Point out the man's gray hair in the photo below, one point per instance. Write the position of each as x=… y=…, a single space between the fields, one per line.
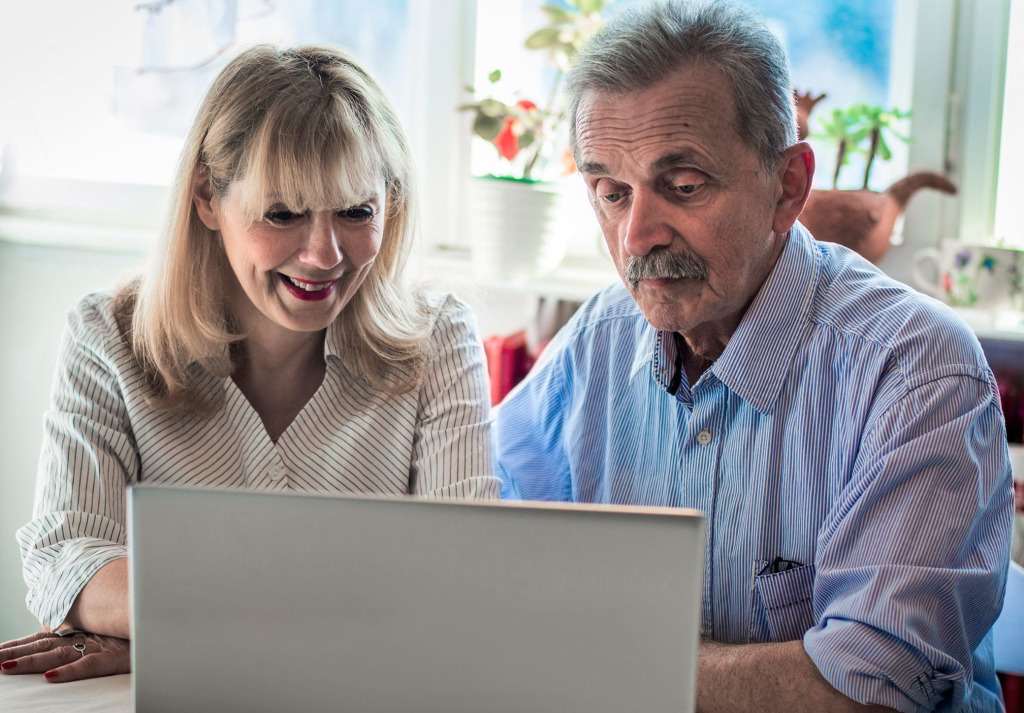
x=644 y=45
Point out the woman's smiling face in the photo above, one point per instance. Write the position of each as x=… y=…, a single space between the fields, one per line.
x=296 y=270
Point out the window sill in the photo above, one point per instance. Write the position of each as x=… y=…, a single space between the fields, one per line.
x=576 y=278
x=40 y=232
x=1006 y=326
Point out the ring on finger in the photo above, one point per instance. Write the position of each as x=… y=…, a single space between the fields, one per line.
x=80 y=648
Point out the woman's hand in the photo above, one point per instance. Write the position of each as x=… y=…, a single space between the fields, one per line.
x=66 y=658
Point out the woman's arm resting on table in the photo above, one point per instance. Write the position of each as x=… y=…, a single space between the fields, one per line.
x=102 y=605
x=101 y=609
x=765 y=677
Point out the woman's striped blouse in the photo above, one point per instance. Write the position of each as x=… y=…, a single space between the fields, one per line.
x=100 y=437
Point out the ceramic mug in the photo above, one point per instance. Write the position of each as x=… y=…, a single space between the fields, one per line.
x=976 y=276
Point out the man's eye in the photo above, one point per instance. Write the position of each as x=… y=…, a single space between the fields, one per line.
x=688 y=188
x=360 y=213
x=280 y=217
x=611 y=197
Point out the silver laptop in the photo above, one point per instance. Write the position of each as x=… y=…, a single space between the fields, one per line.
x=247 y=601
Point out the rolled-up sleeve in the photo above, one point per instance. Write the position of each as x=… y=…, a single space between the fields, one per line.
x=87 y=458
x=451 y=453
x=911 y=563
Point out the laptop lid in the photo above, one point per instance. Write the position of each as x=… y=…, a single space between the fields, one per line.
x=249 y=601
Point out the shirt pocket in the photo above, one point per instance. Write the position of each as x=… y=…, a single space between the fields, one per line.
x=781 y=605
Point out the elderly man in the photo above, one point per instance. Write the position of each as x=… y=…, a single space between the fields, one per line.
x=841 y=433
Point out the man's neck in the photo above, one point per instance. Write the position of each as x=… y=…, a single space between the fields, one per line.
x=695 y=363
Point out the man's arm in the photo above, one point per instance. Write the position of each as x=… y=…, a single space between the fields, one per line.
x=765 y=677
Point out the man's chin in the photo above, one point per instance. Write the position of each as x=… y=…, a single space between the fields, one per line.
x=666 y=303
x=666 y=317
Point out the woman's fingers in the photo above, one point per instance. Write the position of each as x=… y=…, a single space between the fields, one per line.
x=44 y=661
x=91 y=666
x=103 y=656
x=39 y=635
x=13 y=651
x=67 y=659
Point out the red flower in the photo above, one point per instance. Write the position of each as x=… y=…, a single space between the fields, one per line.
x=506 y=141
x=526 y=105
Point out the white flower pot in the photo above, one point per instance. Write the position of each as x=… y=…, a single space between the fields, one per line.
x=515 y=229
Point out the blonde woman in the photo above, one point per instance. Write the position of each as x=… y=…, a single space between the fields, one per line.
x=271 y=345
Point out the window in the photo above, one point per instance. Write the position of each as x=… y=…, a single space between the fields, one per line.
x=103 y=92
x=1009 y=218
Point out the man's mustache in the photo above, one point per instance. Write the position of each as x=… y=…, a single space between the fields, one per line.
x=663 y=264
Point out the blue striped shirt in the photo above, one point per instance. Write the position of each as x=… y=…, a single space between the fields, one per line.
x=847 y=448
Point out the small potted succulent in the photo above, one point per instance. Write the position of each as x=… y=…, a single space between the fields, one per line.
x=861 y=219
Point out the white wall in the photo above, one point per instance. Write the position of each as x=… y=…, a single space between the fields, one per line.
x=37 y=285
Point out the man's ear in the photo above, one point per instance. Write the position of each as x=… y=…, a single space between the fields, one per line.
x=204 y=199
x=795 y=171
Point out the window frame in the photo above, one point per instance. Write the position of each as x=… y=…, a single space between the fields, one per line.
x=958 y=75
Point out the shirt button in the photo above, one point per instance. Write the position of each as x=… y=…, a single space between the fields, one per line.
x=704 y=438
x=276 y=471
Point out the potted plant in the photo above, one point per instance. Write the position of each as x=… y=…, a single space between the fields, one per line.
x=862 y=219
x=512 y=211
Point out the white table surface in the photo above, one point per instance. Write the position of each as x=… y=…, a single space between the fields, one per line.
x=31 y=692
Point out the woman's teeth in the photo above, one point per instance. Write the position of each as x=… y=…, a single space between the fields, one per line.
x=309 y=286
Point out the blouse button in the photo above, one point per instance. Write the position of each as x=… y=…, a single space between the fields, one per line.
x=704 y=438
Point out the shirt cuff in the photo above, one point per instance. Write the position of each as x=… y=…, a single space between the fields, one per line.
x=873 y=667
x=63 y=573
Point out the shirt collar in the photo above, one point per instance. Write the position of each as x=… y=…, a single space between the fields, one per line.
x=332 y=343
x=761 y=350
x=757 y=358
x=657 y=351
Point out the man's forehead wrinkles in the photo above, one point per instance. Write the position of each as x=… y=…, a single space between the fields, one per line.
x=663 y=125
x=668 y=140
x=680 y=110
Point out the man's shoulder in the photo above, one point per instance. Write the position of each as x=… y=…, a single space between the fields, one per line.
x=861 y=302
x=609 y=309
x=607 y=333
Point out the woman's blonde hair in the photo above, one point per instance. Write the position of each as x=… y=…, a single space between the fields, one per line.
x=307 y=127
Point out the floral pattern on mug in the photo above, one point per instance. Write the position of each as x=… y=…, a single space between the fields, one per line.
x=961 y=284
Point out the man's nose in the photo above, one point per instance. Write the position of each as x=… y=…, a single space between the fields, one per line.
x=646 y=226
x=322 y=250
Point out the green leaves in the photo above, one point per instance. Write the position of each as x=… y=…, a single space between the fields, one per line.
x=492 y=107
x=513 y=127
x=589 y=6
x=861 y=128
x=487 y=127
x=556 y=15
x=543 y=38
